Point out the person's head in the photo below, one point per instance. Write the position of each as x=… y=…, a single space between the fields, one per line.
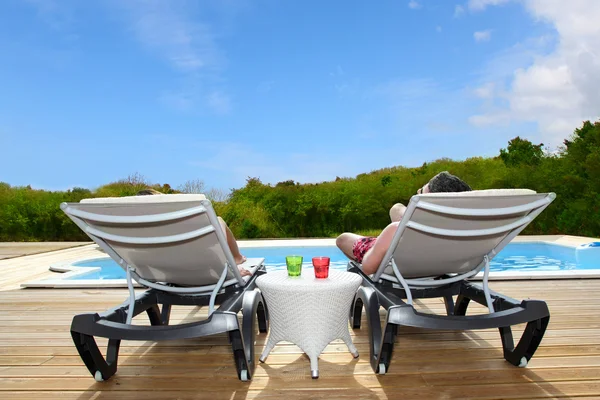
x=444 y=182
x=147 y=192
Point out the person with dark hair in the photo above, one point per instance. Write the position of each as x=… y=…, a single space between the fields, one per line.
x=369 y=251
x=442 y=182
x=445 y=182
x=233 y=246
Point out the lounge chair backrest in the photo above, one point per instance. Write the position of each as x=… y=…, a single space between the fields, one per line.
x=166 y=238
x=450 y=233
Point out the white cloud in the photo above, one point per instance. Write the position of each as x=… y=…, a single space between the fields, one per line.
x=480 y=5
x=486 y=91
x=166 y=29
x=172 y=31
x=559 y=89
x=482 y=36
x=459 y=11
x=438 y=29
x=219 y=102
x=414 y=5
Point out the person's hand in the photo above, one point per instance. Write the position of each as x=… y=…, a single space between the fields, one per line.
x=245 y=272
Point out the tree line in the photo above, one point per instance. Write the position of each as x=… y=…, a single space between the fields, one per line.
x=360 y=204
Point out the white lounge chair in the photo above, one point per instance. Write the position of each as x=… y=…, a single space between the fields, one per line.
x=443 y=240
x=174 y=246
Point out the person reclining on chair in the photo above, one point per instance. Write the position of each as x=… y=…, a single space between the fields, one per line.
x=235 y=250
x=369 y=251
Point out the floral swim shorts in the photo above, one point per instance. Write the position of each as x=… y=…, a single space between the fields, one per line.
x=361 y=246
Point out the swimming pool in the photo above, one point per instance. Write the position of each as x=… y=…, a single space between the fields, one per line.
x=516 y=257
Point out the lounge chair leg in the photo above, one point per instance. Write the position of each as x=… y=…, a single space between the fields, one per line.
x=387 y=348
x=356 y=313
x=165 y=314
x=461 y=305
x=154 y=315
x=262 y=316
x=449 y=302
x=239 y=355
x=368 y=298
x=100 y=368
x=242 y=342
x=528 y=344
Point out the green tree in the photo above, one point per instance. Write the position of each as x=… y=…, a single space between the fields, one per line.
x=581 y=178
x=521 y=151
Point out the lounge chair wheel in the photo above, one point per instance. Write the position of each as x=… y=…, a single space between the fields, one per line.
x=381 y=369
x=98 y=376
x=244 y=375
x=523 y=362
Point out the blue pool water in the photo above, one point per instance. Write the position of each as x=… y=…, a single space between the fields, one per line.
x=514 y=257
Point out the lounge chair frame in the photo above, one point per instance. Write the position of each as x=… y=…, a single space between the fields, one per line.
x=112 y=325
x=396 y=294
x=115 y=324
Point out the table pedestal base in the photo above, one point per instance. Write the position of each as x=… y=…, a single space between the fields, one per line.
x=313 y=354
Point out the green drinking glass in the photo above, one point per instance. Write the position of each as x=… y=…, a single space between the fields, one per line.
x=294 y=265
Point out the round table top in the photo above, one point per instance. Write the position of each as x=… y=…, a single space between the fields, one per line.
x=336 y=279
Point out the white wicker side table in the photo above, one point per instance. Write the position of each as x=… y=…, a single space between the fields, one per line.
x=308 y=312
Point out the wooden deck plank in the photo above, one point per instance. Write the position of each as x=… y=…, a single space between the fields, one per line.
x=345 y=388
x=467 y=349
x=238 y=395
x=285 y=373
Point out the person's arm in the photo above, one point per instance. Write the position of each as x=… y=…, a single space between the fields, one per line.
x=374 y=256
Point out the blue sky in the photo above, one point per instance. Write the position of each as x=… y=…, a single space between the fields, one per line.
x=219 y=90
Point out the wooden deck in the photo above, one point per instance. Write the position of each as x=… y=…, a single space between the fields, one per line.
x=19 y=249
x=38 y=360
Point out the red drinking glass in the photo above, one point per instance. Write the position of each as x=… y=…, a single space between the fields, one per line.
x=321 y=265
